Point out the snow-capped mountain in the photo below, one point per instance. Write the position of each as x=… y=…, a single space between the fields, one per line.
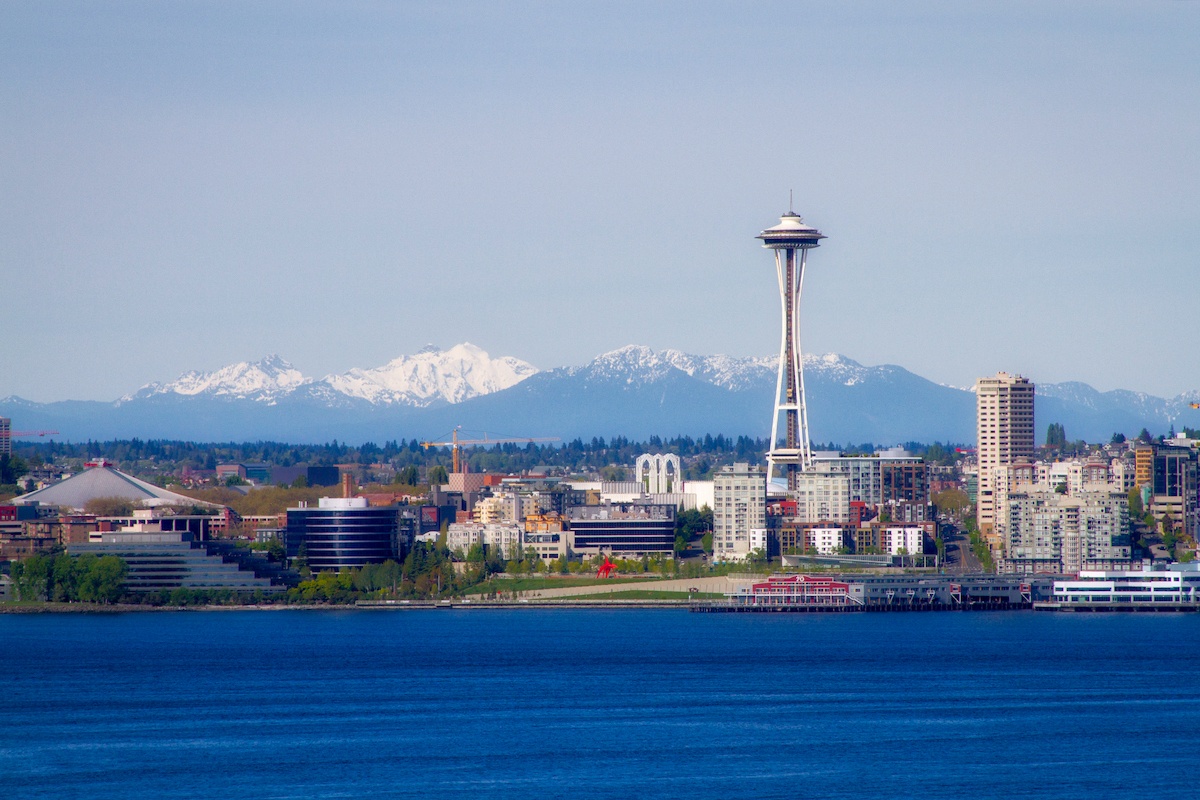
x=641 y=363
x=432 y=375
x=264 y=381
x=631 y=391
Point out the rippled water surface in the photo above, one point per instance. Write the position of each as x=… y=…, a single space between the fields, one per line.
x=594 y=703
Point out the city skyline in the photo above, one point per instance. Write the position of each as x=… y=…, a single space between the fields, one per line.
x=196 y=185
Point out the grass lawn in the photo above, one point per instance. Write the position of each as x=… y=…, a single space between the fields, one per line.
x=540 y=582
x=644 y=594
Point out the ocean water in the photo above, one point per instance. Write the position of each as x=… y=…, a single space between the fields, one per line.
x=598 y=704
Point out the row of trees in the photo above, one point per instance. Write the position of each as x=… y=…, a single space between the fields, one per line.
x=701 y=454
x=68 y=579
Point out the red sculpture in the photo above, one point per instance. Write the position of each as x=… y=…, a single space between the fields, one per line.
x=606 y=569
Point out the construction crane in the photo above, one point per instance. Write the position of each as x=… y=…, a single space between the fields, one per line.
x=455 y=443
x=7 y=435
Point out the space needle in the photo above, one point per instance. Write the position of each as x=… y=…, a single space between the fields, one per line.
x=791 y=240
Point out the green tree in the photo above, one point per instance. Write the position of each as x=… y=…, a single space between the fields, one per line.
x=32 y=577
x=1135 y=503
x=300 y=562
x=407 y=476
x=1056 y=436
x=11 y=468
x=438 y=475
x=952 y=501
x=64 y=577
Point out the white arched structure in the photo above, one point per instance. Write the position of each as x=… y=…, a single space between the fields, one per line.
x=658 y=473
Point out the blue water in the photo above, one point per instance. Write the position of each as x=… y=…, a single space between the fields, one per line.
x=593 y=703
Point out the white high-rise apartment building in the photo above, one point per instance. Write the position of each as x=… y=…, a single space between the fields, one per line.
x=1047 y=531
x=1004 y=431
x=740 y=506
x=823 y=498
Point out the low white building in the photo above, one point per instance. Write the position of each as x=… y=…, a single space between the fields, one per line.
x=897 y=541
x=826 y=541
x=703 y=491
x=507 y=538
x=758 y=540
x=1177 y=583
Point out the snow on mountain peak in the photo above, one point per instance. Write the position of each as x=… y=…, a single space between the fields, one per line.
x=432 y=375
x=641 y=364
x=264 y=380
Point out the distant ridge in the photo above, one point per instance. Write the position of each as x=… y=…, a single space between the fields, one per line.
x=430 y=376
x=633 y=391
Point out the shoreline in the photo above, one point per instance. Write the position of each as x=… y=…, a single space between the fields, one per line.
x=93 y=608
x=678 y=605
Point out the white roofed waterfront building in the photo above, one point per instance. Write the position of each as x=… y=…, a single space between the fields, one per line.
x=1163 y=588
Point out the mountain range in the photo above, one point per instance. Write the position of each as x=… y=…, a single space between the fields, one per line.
x=633 y=391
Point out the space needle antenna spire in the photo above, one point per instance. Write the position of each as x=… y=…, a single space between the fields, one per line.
x=791 y=240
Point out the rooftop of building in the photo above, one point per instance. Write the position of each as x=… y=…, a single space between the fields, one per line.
x=102 y=480
x=622 y=511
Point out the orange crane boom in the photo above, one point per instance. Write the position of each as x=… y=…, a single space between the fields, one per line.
x=14 y=434
x=455 y=443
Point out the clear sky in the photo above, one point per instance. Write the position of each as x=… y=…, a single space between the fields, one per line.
x=1004 y=185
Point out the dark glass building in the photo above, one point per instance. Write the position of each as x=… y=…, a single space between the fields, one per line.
x=632 y=528
x=323 y=476
x=342 y=533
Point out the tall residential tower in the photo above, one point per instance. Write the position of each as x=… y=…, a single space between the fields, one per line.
x=1004 y=428
x=791 y=240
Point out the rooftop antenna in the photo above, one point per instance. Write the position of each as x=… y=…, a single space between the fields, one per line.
x=790 y=203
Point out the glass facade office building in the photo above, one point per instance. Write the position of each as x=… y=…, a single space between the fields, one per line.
x=342 y=533
x=632 y=528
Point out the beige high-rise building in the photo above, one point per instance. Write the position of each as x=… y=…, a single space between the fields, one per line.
x=740 y=493
x=1004 y=433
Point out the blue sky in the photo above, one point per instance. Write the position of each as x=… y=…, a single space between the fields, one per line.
x=1004 y=185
